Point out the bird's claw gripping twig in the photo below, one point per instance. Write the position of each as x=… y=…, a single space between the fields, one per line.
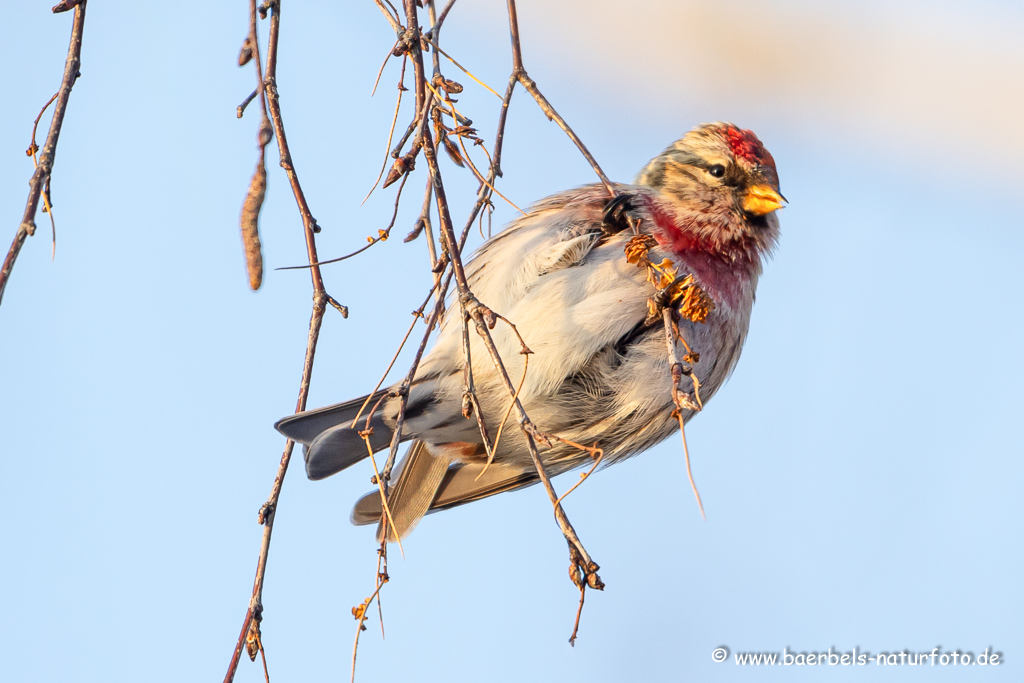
x=615 y=220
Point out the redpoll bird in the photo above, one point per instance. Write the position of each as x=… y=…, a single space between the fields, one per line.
x=600 y=371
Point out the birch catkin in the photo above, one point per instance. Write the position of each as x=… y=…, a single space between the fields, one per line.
x=250 y=225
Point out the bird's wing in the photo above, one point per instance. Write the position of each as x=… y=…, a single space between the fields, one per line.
x=429 y=482
x=562 y=282
x=473 y=481
x=419 y=476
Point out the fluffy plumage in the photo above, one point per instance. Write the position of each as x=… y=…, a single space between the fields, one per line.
x=598 y=374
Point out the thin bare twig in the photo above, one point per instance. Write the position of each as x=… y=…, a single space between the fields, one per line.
x=32 y=151
x=531 y=86
x=417 y=314
x=423 y=224
x=526 y=352
x=382 y=236
x=484 y=193
x=391 y=133
x=41 y=176
x=359 y=612
x=472 y=166
x=464 y=69
x=380 y=71
x=435 y=30
x=240 y=110
x=387 y=517
x=681 y=401
x=574 y=575
x=392 y=18
x=320 y=301
x=415 y=126
x=403 y=389
x=598 y=455
x=436 y=25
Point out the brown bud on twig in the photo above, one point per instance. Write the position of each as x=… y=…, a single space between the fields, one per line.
x=435 y=116
x=401 y=166
x=253 y=640
x=490 y=317
x=264 y=514
x=416 y=230
x=453 y=152
x=266 y=133
x=245 y=54
x=593 y=580
x=250 y=225
x=447 y=84
x=397 y=171
x=65 y=6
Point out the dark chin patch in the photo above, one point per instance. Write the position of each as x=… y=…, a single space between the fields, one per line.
x=757 y=222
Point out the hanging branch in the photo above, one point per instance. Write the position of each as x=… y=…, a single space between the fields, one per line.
x=446 y=265
x=581 y=564
x=41 y=176
x=250 y=634
x=258 y=185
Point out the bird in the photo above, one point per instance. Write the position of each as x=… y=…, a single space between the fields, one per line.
x=599 y=372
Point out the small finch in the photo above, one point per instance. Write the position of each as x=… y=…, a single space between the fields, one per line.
x=582 y=278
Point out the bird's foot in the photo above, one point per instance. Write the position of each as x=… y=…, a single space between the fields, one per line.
x=616 y=218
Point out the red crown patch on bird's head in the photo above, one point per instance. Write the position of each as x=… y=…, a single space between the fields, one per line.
x=745 y=145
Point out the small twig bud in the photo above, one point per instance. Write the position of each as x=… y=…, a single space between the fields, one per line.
x=245 y=54
x=453 y=152
x=266 y=133
x=65 y=5
x=401 y=166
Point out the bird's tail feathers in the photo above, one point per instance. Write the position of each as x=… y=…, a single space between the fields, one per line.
x=331 y=442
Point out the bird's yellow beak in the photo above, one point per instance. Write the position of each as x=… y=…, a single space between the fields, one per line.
x=762 y=199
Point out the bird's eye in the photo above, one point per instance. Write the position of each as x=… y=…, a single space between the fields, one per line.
x=717 y=170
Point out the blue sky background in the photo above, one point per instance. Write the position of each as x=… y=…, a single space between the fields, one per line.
x=861 y=471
